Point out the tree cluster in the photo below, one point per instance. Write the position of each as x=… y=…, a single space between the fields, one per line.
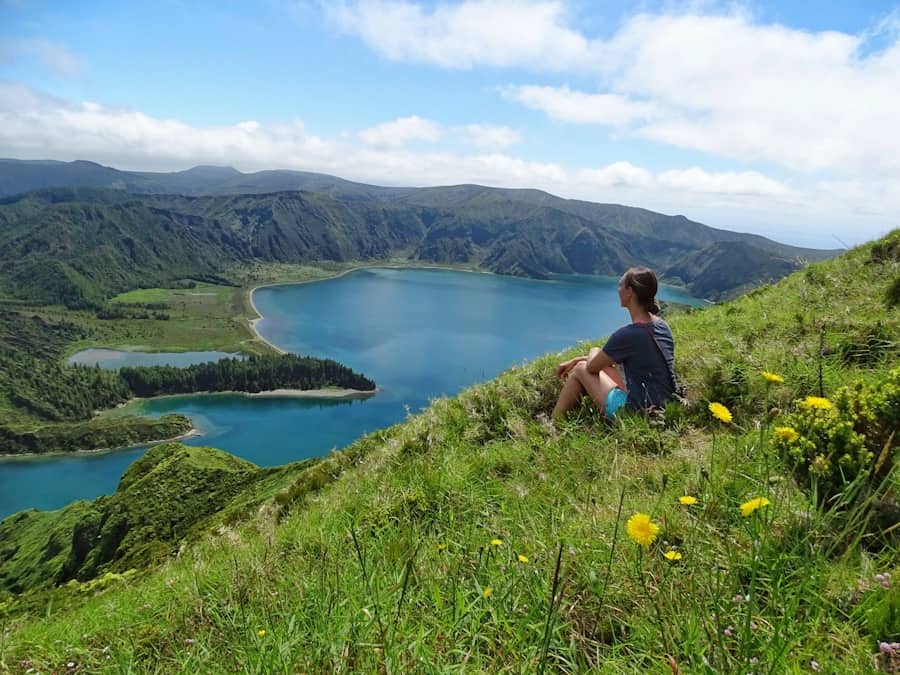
x=254 y=374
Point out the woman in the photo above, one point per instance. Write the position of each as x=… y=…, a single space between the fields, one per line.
x=645 y=350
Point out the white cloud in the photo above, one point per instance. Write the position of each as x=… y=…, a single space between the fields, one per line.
x=54 y=56
x=473 y=32
x=489 y=136
x=722 y=84
x=561 y=103
x=725 y=182
x=36 y=125
x=757 y=93
x=808 y=101
x=401 y=131
x=618 y=174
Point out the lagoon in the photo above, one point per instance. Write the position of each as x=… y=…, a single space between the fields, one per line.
x=418 y=333
x=113 y=359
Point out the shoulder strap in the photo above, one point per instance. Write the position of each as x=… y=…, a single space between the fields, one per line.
x=673 y=381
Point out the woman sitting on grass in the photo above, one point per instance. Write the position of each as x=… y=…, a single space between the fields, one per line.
x=645 y=349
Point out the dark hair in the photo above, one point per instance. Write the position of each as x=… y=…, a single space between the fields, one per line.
x=644 y=284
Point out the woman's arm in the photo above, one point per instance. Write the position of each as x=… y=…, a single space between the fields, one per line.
x=563 y=368
x=598 y=360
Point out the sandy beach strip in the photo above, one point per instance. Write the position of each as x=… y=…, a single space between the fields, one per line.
x=314 y=393
x=271 y=393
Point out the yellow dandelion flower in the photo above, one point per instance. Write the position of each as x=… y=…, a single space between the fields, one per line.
x=748 y=508
x=522 y=558
x=496 y=542
x=687 y=500
x=672 y=555
x=772 y=377
x=817 y=402
x=486 y=593
x=641 y=529
x=441 y=547
x=720 y=412
x=261 y=632
x=788 y=434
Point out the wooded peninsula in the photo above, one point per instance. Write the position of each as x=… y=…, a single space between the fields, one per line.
x=51 y=406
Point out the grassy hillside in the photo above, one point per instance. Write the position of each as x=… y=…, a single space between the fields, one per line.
x=478 y=537
x=163 y=499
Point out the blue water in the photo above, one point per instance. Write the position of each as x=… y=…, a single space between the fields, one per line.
x=112 y=359
x=418 y=333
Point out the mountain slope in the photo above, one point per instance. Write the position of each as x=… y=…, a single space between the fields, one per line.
x=53 y=242
x=477 y=536
x=159 y=500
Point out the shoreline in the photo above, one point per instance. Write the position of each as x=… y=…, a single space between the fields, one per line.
x=270 y=393
x=259 y=316
x=193 y=431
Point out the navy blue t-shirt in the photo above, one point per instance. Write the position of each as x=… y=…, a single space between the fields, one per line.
x=646 y=374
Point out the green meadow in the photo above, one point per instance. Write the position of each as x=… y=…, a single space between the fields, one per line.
x=758 y=535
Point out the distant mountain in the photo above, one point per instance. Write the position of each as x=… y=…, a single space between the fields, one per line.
x=74 y=243
x=17 y=176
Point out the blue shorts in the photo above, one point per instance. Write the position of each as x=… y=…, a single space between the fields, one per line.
x=615 y=400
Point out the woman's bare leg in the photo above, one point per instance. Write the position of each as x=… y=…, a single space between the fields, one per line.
x=581 y=382
x=616 y=376
x=569 y=397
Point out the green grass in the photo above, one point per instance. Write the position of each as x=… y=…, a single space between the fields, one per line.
x=379 y=558
x=207 y=317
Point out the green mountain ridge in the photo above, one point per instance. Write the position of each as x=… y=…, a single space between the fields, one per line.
x=79 y=246
x=298 y=217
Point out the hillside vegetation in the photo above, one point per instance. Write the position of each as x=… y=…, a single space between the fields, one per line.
x=163 y=498
x=479 y=537
x=78 y=246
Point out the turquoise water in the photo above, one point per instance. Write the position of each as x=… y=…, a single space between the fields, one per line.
x=418 y=333
x=112 y=359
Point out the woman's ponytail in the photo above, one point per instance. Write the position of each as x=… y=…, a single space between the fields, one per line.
x=643 y=281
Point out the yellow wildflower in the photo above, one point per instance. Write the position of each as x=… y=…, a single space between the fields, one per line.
x=486 y=593
x=522 y=558
x=641 y=529
x=817 y=402
x=441 y=547
x=772 y=377
x=261 y=632
x=747 y=508
x=687 y=500
x=672 y=555
x=496 y=542
x=720 y=412
x=788 y=434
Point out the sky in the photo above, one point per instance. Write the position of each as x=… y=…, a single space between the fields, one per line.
x=780 y=118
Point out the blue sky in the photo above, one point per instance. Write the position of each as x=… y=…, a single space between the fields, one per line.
x=768 y=117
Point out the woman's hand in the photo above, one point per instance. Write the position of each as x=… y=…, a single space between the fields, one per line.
x=563 y=369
